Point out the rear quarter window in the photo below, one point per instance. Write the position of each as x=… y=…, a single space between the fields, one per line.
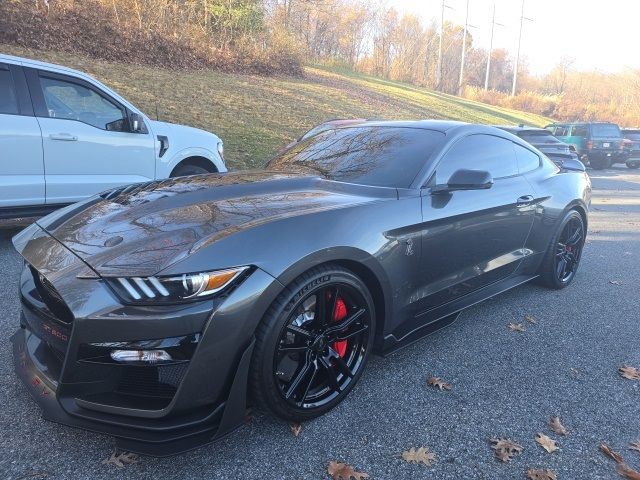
x=527 y=160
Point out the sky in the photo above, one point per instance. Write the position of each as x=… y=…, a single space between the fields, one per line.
x=597 y=35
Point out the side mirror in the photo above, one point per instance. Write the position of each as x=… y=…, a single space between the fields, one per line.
x=136 y=123
x=464 y=179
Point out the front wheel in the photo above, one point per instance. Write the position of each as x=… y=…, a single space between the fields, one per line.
x=563 y=255
x=313 y=344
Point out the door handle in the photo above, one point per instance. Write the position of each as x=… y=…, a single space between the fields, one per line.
x=65 y=137
x=524 y=200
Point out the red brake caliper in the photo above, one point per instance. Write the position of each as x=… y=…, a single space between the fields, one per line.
x=338 y=314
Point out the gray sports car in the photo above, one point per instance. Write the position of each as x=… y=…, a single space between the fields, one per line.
x=155 y=312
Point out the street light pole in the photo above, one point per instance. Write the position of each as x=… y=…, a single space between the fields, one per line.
x=464 y=49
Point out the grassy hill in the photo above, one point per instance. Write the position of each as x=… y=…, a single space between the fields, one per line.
x=255 y=115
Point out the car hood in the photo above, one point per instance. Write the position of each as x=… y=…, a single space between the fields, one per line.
x=171 y=129
x=140 y=230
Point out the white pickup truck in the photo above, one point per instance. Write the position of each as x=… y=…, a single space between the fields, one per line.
x=64 y=136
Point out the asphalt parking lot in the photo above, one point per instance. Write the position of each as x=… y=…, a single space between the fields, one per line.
x=504 y=384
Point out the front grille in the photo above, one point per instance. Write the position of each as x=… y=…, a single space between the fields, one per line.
x=51 y=298
x=148 y=381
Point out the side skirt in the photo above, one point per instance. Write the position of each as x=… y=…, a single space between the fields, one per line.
x=446 y=314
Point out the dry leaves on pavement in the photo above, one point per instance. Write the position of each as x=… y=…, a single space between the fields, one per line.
x=626 y=471
x=505 y=448
x=556 y=426
x=342 y=471
x=547 y=443
x=631 y=373
x=120 y=460
x=296 y=429
x=635 y=446
x=541 y=474
x=530 y=318
x=516 y=327
x=419 y=455
x=439 y=383
x=604 y=448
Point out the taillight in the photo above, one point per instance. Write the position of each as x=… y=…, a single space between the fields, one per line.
x=589 y=144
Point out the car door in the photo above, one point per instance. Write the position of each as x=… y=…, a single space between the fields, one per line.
x=87 y=141
x=21 y=162
x=472 y=238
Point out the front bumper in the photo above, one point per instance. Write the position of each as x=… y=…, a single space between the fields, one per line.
x=150 y=409
x=158 y=437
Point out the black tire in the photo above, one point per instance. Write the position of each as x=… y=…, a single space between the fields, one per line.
x=562 y=248
x=185 y=170
x=633 y=165
x=276 y=372
x=599 y=163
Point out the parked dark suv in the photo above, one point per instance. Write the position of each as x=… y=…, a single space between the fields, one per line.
x=555 y=149
x=632 y=136
x=599 y=144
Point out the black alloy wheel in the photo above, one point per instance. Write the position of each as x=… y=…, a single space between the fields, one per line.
x=314 y=344
x=563 y=256
x=569 y=249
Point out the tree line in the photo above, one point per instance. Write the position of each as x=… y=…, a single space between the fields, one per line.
x=280 y=36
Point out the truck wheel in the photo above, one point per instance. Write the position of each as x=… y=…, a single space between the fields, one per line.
x=634 y=164
x=184 y=170
x=599 y=163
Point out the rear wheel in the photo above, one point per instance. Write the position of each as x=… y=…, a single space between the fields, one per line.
x=313 y=344
x=633 y=164
x=600 y=163
x=563 y=254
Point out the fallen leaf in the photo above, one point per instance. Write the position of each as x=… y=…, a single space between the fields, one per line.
x=120 y=460
x=547 y=443
x=615 y=282
x=419 y=455
x=342 y=471
x=556 y=426
x=530 y=318
x=540 y=474
x=635 y=446
x=439 y=383
x=631 y=373
x=574 y=370
x=516 y=327
x=626 y=471
x=610 y=453
x=296 y=429
x=505 y=448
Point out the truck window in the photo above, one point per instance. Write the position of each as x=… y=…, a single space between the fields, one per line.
x=8 y=99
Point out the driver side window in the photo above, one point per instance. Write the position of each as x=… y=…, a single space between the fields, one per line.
x=73 y=101
x=479 y=152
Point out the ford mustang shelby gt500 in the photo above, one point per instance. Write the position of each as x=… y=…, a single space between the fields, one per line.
x=154 y=312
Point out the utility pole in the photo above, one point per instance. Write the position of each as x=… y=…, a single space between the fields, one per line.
x=464 y=49
x=439 y=67
x=493 y=26
x=515 y=69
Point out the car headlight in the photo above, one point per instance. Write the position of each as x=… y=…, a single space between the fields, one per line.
x=221 y=150
x=177 y=288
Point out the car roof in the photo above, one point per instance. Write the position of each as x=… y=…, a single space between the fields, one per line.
x=27 y=62
x=559 y=124
x=438 y=125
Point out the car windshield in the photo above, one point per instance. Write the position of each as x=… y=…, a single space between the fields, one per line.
x=605 y=130
x=538 y=136
x=378 y=156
